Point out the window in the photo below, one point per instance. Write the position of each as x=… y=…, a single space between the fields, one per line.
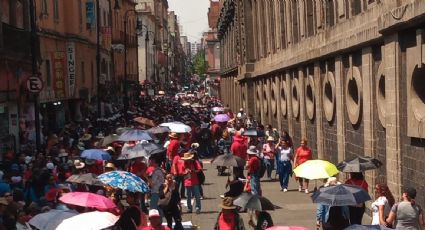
x=48 y=74
x=83 y=74
x=56 y=9
x=44 y=8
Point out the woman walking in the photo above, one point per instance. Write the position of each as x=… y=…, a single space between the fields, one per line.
x=269 y=151
x=356 y=212
x=381 y=207
x=302 y=155
x=407 y=214
x=284 y=157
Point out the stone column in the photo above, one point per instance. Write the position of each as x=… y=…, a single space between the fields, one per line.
x=368 y=115
x=269 y=101
x=289 y=103
x=278 y=104
x=319 y=105
x=340 y=102
x=392 y=86
x=302 y=103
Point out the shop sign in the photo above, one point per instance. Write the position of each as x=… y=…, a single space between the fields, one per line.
x=70 y=53
x=59 y=74
x=34 y=84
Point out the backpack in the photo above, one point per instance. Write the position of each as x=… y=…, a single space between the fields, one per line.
x=263 y=167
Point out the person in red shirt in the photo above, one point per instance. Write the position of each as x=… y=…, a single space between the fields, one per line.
x=228 y=218
x=191 y=181
x=253 y=168
x=177 y=169
x=138 y=167
x=302 y=155
x=172 y=149
x=238 y=147
x=356 y=212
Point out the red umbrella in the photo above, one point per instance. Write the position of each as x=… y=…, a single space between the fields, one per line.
x=87 y=199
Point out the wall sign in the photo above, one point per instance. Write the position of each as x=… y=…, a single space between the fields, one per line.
x=70 y=54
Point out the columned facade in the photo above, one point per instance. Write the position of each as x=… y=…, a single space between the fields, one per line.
x=347 y=75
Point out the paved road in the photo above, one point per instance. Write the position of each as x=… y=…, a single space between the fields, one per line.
x=295 y=208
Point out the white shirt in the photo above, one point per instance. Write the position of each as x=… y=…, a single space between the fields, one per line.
x=382 y=200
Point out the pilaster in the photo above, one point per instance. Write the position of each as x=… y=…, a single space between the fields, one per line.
x=319 y=106
x=340 y=101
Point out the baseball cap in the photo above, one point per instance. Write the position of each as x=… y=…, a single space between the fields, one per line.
x=153 y=213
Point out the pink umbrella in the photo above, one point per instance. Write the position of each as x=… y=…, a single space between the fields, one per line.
x=287 y=228
x=221 y=118
x=87 y=199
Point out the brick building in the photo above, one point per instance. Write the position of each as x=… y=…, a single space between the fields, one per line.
x=346 y=74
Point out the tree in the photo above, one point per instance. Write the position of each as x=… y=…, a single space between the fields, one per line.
x=199 y=64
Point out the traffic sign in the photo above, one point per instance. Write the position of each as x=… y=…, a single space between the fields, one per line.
x=34 y=84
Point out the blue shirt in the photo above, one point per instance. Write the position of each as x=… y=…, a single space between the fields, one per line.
x=4 y=188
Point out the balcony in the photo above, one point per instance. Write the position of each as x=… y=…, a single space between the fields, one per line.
x=15 y=42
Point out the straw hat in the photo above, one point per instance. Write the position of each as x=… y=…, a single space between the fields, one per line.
x=187 y=156
x=252 y=150
x=100 y=135
x=110 y=148
x=85 y=137
x=78 y=164
x=227 y=203
x=173 y=135
x=3 y=201
x=110 y=165
x=331 y=181
x=270 y=138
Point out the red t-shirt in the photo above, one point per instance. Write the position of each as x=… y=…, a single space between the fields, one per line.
x=192 y=179
x=226 y=221
x=360 y=183
x=303 y=155
x=138 y=168
x=173 y=149
x=238 y=147
x=178 y=166
x=253 y=165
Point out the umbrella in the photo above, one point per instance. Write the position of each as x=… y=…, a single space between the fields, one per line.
x=229 y=160
x=95 y=154
x=87 y=199
x=197 y=105
x=177 y=127
x=316 y=169
x=145 y=149
x=256 y=202
x=250 y=132
x=88 y=178
x=340 y=195
x=218 y=109
x=108 y=140
x=144 y=121
x=158 y=130
x=366 y=227
x=89 y=221
x=135 y=135
x=221 y=118
x=121 y=130
x=51 y=219
x=287 y=228
x=124 y=180
x=359 y=164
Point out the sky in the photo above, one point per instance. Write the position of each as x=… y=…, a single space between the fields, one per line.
x=192 y=15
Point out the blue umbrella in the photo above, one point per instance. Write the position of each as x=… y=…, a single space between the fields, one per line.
x=124 y=180
x=340 y=195
x=135 y=135
x=96 y=154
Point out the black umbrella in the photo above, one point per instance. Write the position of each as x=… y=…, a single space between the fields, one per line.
x=158 y=130
x=88 y=178
x=340 y=195
x=144 y=149
x=359 y=164
x=256 y=202
x=229 y=160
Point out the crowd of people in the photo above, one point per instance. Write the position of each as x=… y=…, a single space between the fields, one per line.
x=32 y=182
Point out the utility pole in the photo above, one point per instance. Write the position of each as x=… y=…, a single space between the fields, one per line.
x=34 y=55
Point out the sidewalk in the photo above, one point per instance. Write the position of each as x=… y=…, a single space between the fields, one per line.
x=295 y=208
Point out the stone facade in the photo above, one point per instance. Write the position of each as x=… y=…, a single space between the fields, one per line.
x=346 y=74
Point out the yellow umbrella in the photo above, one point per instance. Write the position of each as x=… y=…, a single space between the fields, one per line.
x=316 y=169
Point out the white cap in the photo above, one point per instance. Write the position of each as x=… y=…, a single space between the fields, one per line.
x=153 y=213
x=28 y=159
x=50 y=165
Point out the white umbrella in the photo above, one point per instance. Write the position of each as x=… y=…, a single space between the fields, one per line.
x=177 y=127
x=51 y=219
x=89 y=221
x=218 y=109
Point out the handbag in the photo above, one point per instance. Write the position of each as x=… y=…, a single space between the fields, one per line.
x=165 y=198
x=201 y=177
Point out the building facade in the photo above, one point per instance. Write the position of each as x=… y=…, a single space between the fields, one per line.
x=212 y=50
x=346 y=74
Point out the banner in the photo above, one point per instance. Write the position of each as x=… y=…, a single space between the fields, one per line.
x=90 y=15
x=107 y=37
x=58 y=59
x=70 y=58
